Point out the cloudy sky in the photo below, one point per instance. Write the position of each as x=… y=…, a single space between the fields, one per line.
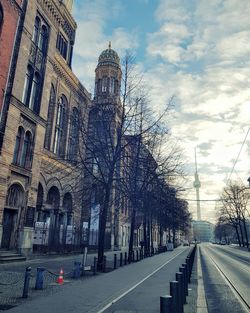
x=196 y=50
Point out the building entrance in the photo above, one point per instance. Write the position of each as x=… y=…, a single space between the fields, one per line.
x=9 y=218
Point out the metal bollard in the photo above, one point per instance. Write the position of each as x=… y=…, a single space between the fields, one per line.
x=133 y=256
x=77 y=270
x=186 y=277
x=125 y=258
x=137 y=256
x=189 y=270
x=94 y=266
x=26 y=282
x=121 y=259
x=104 y=263
x=175 y=296
x=179 y=278
x=166 y=304
x=39 y=278
x=182 y=270
x=115 y=261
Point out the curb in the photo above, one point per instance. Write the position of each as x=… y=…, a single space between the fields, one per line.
x=201 y=296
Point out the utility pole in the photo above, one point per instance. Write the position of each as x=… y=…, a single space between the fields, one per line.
x=197 y=185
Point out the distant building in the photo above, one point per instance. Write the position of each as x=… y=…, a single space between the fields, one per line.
x=203 y=231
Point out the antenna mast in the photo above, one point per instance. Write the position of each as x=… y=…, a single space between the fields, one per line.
x=197 y=185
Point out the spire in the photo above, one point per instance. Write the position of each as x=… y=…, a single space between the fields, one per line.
x=109 y=45
x=197 y=185
x=195 y=160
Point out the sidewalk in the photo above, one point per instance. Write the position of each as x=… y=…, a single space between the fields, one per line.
x=90 y=295
x=12 y=274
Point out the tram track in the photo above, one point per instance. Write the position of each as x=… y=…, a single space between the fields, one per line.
x=228 y=280
x=234 y=255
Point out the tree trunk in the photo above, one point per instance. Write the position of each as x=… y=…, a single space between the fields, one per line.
x=144 y=232
x=241 y=234
x=174 y=237
x=102 y=230
x=246 y=234
x=238 y=235
x=148 y=236
x=161 y=234
x=151 y=233
x=169 y=234
x=131 y=239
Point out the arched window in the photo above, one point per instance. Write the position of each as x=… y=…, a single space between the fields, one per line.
x=67 y=206
x=31 y=89
x=99 y=89
x=112 y=85
x=50 y=118
x=15 y=196
x=27 y=85
x=40 y=195
x=35 y=36
x=53 y=198
x=42 y=43
x=17 y=150
x=74 y=135
x=23 y=151
x=33 y=103
x=61 y=127
x=26 y=154
x=104 y=84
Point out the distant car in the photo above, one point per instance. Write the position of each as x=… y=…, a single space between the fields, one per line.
x=185 y=243
x=223 y=242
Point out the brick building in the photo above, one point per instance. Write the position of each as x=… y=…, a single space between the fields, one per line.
x=11 y=18
x=40 y=196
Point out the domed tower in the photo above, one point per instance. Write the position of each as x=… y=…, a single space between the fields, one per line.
x=108 y=78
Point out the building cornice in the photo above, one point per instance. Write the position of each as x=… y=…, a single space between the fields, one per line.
x=63 y=70
x=59 y=16
x=27 y=112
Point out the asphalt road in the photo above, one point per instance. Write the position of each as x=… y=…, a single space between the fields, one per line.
x=226 y=275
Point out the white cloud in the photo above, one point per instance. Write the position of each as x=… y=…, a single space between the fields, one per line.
x=204 y=50
x=92 y=37
x=201 y=54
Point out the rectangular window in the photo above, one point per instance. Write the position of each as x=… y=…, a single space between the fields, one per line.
x=62 y=46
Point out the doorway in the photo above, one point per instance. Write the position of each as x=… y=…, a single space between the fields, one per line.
x=9 y=217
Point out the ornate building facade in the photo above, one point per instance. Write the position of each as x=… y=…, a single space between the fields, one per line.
x=40 y=196
x=57 y=144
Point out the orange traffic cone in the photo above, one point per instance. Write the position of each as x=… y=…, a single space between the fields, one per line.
x=60 y=277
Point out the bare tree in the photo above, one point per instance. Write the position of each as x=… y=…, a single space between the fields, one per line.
x=112 y=129
x=233 y=210
x=120 y=152
x=224 y=231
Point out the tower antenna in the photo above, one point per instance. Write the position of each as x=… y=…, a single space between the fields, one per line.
x=197 y=186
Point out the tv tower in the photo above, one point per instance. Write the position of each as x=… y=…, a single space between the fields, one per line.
x=197 y=185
